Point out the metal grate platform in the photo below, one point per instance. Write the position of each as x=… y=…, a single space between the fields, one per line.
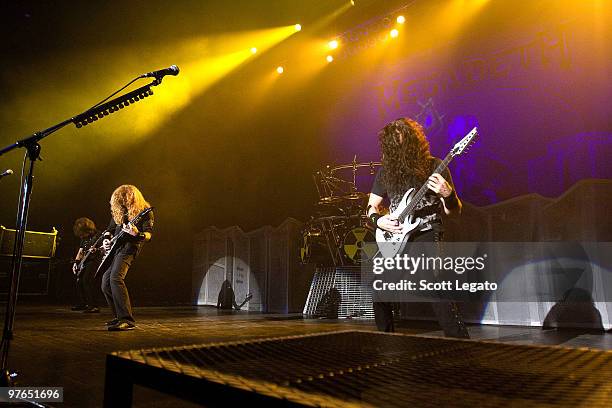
x=359 y=368
x=337 y=292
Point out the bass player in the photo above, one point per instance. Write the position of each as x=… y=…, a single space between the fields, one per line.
x=87 y=260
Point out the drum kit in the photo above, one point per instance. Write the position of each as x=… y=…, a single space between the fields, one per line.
x=340 y=233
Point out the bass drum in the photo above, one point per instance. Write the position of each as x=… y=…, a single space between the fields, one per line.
x=314 y=248
x=360 y=245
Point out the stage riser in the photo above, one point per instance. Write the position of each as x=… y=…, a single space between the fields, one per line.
x=338 y=293
x=350 y=369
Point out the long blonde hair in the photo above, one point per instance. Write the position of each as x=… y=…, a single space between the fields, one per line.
x=127 y=197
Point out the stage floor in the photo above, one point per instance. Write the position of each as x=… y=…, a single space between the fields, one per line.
x=56 y=347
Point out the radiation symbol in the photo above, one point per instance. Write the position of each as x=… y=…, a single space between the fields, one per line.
x=360 y=244
x=305 y=250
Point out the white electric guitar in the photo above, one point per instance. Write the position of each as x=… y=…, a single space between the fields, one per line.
x=390 y=243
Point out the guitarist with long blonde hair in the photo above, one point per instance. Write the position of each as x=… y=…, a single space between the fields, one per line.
x=131 y=225
x=407 y=163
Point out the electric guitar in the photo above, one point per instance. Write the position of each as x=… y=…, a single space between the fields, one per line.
x=248 y=297
x=81 y=263
x=389 y=243
x=107 y=258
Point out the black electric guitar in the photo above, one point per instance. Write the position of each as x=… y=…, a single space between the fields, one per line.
x=248 y=297
x=80 y=264
x=107 y=258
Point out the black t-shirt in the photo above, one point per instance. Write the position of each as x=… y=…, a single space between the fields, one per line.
x=429 y=208
x=128 y=244
x=86 y=243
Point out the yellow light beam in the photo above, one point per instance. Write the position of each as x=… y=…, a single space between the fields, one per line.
x=203 y=62
x=66 y=90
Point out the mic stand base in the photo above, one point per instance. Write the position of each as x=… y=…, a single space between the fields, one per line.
x=8 y=378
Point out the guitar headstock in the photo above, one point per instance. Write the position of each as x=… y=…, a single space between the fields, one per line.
x=462 y=145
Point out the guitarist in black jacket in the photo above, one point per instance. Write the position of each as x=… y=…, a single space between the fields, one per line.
x=87 y=260
x=407 y=163
x=127 y=204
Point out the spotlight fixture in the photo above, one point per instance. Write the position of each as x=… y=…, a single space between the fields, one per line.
x=253 y=50
x=401 y=19
x=329 y=58
x=394 y=33
x=280 y=69
x=298 y=27
x=333 y=44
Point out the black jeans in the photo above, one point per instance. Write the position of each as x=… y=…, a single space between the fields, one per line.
x=446 y=312
x=85 y=285
x=114 y=289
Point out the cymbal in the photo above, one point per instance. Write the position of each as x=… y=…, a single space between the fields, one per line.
x=341 y=218
x=330 y=200
x=356 y=196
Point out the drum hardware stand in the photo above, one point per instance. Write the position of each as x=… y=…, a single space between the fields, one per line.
x=333 y=184
x=315 y=178
x=335 y=253
x=33 y=148
x=339 y=194
x=354 y=185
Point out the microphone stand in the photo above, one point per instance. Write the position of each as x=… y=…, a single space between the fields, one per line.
x=33 y=148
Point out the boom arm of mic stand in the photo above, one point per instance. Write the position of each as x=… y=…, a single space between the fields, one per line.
x=113 y=105
x=88 y=116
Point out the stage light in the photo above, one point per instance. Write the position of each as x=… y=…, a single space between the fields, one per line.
x=280 y=70
x=298 y=27
x=352 y=2
x=333 y=44
x=329 y=58
x=253 y=50
x=394 y=33
x=401 y=19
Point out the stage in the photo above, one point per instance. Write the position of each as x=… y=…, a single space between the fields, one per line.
x=278 y=186
x=57 y=347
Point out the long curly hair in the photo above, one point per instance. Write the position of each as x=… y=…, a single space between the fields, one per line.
x=406 y=156
x=127 y=200
x=83 y=227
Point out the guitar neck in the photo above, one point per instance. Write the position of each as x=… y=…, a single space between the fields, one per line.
x=423 y=190
x=246 y=299
x=134 y=220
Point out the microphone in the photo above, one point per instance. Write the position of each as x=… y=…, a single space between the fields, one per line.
x=160 y=73
x=6 y=172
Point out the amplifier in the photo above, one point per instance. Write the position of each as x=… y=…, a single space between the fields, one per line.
x=37 y=244
x=38 y=249
x=34 y=279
